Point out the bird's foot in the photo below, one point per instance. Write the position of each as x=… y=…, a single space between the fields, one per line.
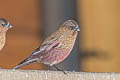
x=60 y=70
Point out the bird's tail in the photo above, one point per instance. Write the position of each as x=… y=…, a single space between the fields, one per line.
x=23 y=63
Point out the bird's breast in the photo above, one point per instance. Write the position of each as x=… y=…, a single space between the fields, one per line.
x=67 y=42
x=2 y=41
x=55 y=56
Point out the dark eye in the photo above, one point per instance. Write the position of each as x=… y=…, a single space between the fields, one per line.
x=71 y=27
x=3 y=24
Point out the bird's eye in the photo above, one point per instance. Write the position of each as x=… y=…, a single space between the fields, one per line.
x=3 y=24
x=71 y=27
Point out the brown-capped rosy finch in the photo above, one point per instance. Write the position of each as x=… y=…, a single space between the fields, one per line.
x=4 y=26
x=56 y=47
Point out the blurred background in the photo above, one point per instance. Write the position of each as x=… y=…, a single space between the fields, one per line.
x=97 y=48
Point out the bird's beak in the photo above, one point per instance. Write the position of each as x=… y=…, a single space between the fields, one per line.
x=10 y=26
x=77 y=29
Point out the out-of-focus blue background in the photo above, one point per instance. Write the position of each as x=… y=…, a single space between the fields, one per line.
x=97 y=46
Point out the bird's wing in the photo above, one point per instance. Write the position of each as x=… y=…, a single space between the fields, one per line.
x=49 y=43
x=40 y=51
x=46 y=47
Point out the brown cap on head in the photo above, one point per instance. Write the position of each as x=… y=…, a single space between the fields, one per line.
x=72 y=24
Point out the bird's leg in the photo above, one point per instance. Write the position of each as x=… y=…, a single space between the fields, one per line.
x=59 y=69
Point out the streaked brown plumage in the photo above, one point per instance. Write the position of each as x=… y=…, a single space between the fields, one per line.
x=56 y=47
x=4 y=26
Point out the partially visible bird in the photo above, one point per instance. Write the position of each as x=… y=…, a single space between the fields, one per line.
x=4 y=26
x=55 y=47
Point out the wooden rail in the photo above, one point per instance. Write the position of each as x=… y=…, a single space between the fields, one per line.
x=54 y=75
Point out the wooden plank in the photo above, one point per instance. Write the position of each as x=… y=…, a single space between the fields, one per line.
x=17 y=49
x=23 y=38
x=55 y=75
x=100 y=34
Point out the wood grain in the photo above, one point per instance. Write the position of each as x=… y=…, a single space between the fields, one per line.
x=55 y=75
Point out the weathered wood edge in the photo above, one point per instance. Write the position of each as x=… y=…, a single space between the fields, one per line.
x=9 y=74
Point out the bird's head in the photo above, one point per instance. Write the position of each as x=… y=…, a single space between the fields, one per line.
x=71 y=25
x=4 y=25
